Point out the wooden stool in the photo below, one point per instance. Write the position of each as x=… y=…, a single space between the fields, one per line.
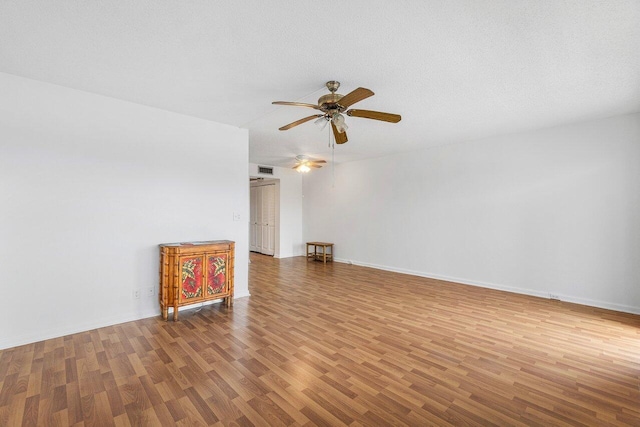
x=317 y=255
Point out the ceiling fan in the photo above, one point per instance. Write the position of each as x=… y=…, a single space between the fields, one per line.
x=304 y=164
x=333 y=105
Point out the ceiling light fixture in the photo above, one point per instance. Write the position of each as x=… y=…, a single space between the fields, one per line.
x=304 y=163
x=303 y=168
x=338 y=120
x=322 y=122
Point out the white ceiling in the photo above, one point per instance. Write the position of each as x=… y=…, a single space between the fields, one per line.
x=454 y=70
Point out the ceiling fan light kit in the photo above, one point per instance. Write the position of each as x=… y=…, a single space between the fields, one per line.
x=333 y=107
x=303 y=168
x=338 y=120
x=321 y=122
x=304 y=164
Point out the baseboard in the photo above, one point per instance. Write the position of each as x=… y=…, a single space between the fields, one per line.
x=42 y=335
x=289 y=255
x=531 y=292
x=51 y=333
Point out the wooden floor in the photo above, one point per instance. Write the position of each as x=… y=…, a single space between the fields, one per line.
x=333 y=345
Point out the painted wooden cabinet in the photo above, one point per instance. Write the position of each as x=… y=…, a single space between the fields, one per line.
x=194 y=272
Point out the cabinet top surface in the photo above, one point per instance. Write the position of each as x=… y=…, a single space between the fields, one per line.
x=201 y=243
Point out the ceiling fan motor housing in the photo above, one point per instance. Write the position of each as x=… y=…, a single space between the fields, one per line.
x=329 y=102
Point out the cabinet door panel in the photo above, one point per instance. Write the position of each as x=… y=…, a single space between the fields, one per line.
x=217 y=282
x=191 y=278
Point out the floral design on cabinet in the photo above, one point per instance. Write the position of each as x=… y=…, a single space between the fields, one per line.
x=192 y=277
x=217 y=278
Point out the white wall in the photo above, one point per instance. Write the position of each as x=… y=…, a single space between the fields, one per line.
x=554 y=211
x=89 y=186
x=289 y=241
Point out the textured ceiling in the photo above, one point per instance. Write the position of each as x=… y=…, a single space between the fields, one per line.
x=454 y=70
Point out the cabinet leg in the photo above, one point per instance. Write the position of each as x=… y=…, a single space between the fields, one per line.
x=165 y=313
x=175 y=313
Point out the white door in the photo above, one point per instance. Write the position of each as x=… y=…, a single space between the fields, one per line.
x=253 y=220
x=259 y=219
x=268 y=219
x=263 y=219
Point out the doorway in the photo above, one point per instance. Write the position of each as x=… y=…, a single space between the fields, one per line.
x=263 y=216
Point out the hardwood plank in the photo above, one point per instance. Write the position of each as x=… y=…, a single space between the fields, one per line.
x=30 y=415
x=338 y=344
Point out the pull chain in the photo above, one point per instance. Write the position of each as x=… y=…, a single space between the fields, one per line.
x=333 y=160
x=333 y=165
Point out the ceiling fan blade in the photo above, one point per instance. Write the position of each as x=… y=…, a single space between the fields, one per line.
x=375 y=115
x=317 y=161
x=296 y=104
x=299 y=122
x=355 y=96
x=341 y=138
x=315 y=166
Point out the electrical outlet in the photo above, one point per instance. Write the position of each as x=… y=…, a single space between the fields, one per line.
x=150 y=292
x=554 y=296
x=136 y=293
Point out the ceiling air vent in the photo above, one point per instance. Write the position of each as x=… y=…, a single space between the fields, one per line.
x=265 y=170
